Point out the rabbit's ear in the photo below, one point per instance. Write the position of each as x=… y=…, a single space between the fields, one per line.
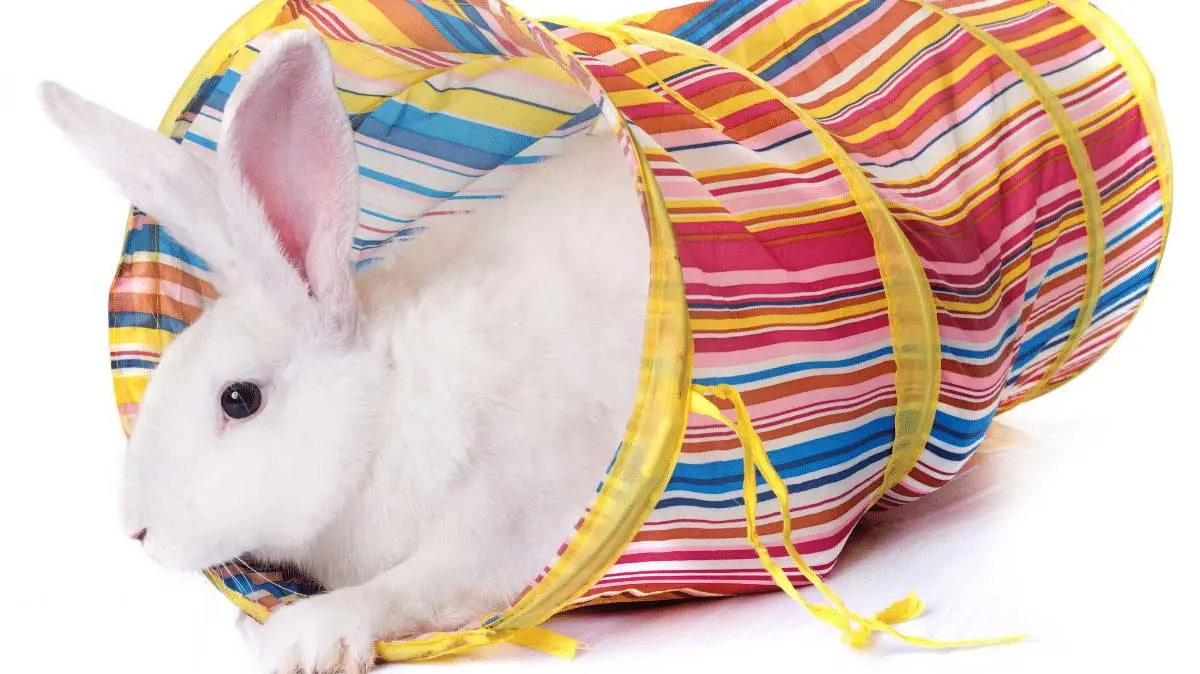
x=288 y=148
x=154 y=172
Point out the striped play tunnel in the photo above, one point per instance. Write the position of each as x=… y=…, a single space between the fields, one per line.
x=875 y=224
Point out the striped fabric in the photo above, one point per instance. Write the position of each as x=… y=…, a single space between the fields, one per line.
x=783 y=287
x=1014 y=149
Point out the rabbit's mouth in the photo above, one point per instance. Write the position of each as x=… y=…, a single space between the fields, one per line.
x=179 y=556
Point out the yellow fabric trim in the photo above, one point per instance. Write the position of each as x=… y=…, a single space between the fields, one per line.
x=647 y=458
x=856 y=629
x=635 y=482
x=434 y=645
x=1145 y=91
x=545 y=641
x=256 y=611
x=911 y=313
x=260 y=17
x=644 y=464
x=1085 y=175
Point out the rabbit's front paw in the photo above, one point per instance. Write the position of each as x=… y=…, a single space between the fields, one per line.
x=326 y=634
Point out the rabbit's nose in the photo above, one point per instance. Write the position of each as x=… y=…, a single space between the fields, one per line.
x=140 y=536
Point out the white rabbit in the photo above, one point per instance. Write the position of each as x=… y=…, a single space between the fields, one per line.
x=418 y=437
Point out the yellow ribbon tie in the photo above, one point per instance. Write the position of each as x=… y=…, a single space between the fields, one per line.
x=545 y=641
x=442 y=644
x=856 y=629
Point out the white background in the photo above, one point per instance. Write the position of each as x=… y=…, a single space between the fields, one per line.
x=1081 y=532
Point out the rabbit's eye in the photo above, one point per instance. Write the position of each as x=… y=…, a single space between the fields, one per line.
x=241 y=400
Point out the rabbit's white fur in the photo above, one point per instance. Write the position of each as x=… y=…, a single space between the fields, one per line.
x=425 y=442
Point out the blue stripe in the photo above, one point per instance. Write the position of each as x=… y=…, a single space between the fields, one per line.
x=466 y=37
x=1128 y=177
x=242 y=585
x=948 y=455
x=206 y=90
x=1052 y=73
x=1122 y=303
x=950 y=432
x=384 y=216
x=1131 y=285
x=700 y=146
x=218 y=100
x=137 y=319
x=153 y=238
x=402 y=184
x=954 y=439
x=1112 y=243
x=793 y=368
x=1056 y=334
x=1112 y=304
x=768 y=496
x=1066 y=264
x=1037 y=343
x=988 y=353
x=229 y=82
x=523 y=159
x=474 y=17
x=1136 y=227
x=416 y=161
x=804 y=134
x=819 y=40
x=719 y=477
x=715 y=18
x=962 y=428
x=475 y=146
x=200 y=140
x=371 y=244
x=404 y=116
x=584 y=116
x=133 y=364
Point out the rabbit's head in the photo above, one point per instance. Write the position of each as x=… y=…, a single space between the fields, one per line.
x=255 y=428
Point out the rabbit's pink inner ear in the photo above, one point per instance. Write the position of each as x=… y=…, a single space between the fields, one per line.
x=291 y=211
x=291 y=145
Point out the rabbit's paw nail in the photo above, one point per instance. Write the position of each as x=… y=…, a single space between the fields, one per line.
x=320 y=635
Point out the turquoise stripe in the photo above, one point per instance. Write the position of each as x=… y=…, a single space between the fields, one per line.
x=402 y=184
